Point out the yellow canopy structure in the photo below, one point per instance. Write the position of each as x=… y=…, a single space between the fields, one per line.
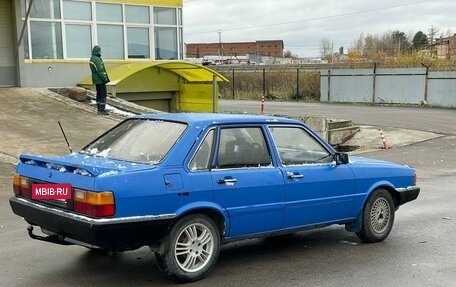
x=163 y=85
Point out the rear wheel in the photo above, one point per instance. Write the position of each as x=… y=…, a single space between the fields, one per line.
x=191 y=249
x=378 y=217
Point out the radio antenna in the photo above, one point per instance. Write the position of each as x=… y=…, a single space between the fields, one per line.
x=63 y=132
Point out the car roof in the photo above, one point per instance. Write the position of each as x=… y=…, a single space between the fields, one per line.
x=212 y=118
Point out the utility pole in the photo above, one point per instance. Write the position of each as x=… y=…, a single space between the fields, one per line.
x=220 y=46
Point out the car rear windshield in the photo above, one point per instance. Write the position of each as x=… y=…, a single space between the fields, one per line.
x=137 y=140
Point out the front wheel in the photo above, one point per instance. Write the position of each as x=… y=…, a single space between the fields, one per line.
x=378 y=217
x=190 y=249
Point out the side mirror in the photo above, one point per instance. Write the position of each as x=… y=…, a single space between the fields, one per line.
x=341 y=158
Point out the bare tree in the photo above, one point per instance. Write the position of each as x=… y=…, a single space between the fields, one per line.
x=386 y=41
x=358 y=45
x=326 y=49
x=432 y=31
x=370 y=46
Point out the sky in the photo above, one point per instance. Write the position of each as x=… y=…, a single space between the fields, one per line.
x=301 y=24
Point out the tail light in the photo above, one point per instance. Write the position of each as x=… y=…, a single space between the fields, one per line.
x=97 y=204
x=22 y=186
x=17 y=184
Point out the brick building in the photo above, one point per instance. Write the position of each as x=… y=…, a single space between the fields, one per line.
x=272 y=48
x=445 y=47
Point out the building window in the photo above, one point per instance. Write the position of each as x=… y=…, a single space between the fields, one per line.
x=181 y=44
x=26 y=43
x=165 y=43
x=179 y=11
x=137 y=14
x=49 y=9
x=68 y=29
x=109 y=12
x=46 y=40
x=77 y=10
x=165 y=16
x=78 y=41
x=138 y=43
x=110 y=39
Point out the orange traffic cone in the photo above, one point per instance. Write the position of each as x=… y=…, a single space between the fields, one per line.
x=385 y=144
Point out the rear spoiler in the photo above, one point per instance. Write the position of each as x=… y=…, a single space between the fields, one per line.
x=56 y=164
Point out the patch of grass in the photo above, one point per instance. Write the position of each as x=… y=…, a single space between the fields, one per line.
x=278 y=84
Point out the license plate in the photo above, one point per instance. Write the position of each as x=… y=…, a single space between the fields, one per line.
x=54 y=191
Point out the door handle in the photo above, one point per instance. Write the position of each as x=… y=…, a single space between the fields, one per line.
x=228 y=179
x=294 y=175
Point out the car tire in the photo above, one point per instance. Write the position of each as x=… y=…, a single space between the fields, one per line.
x=190 y=249
x=377 y=217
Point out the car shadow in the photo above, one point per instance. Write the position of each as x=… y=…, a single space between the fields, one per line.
x=138 y=267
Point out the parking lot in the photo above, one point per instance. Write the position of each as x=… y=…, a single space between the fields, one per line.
x=419 y=251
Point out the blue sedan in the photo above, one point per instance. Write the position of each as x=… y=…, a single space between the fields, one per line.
x=184 y=184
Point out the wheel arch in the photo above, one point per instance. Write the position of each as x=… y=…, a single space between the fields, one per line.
x=386 y=186
x=356 y=225
x=211 y=210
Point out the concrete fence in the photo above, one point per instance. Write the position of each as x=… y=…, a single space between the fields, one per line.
x=395 y=86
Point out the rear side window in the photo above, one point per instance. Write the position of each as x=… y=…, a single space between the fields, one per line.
x=242 y=147
x=202 y=158
x=137 y=140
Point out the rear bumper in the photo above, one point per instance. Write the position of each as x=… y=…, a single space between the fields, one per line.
x=107 y=233
x=407 y=194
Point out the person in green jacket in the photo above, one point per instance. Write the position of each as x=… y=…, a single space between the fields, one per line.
x=99 y=79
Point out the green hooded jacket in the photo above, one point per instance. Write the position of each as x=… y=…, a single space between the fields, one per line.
x=99 y=75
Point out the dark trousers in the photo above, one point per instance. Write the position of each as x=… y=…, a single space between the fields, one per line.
x=101 y=97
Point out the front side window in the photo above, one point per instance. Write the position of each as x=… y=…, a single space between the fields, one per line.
x=297 y=147
x=78 y=41
x=46 y=40
x=242 y=147
x=138 y=43
x=138 y=140
x=165 y=43
x=110 y=39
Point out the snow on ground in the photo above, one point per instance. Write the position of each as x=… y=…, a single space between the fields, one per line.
x=114 y=110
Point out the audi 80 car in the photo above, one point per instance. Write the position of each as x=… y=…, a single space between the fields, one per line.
x=183 y=184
